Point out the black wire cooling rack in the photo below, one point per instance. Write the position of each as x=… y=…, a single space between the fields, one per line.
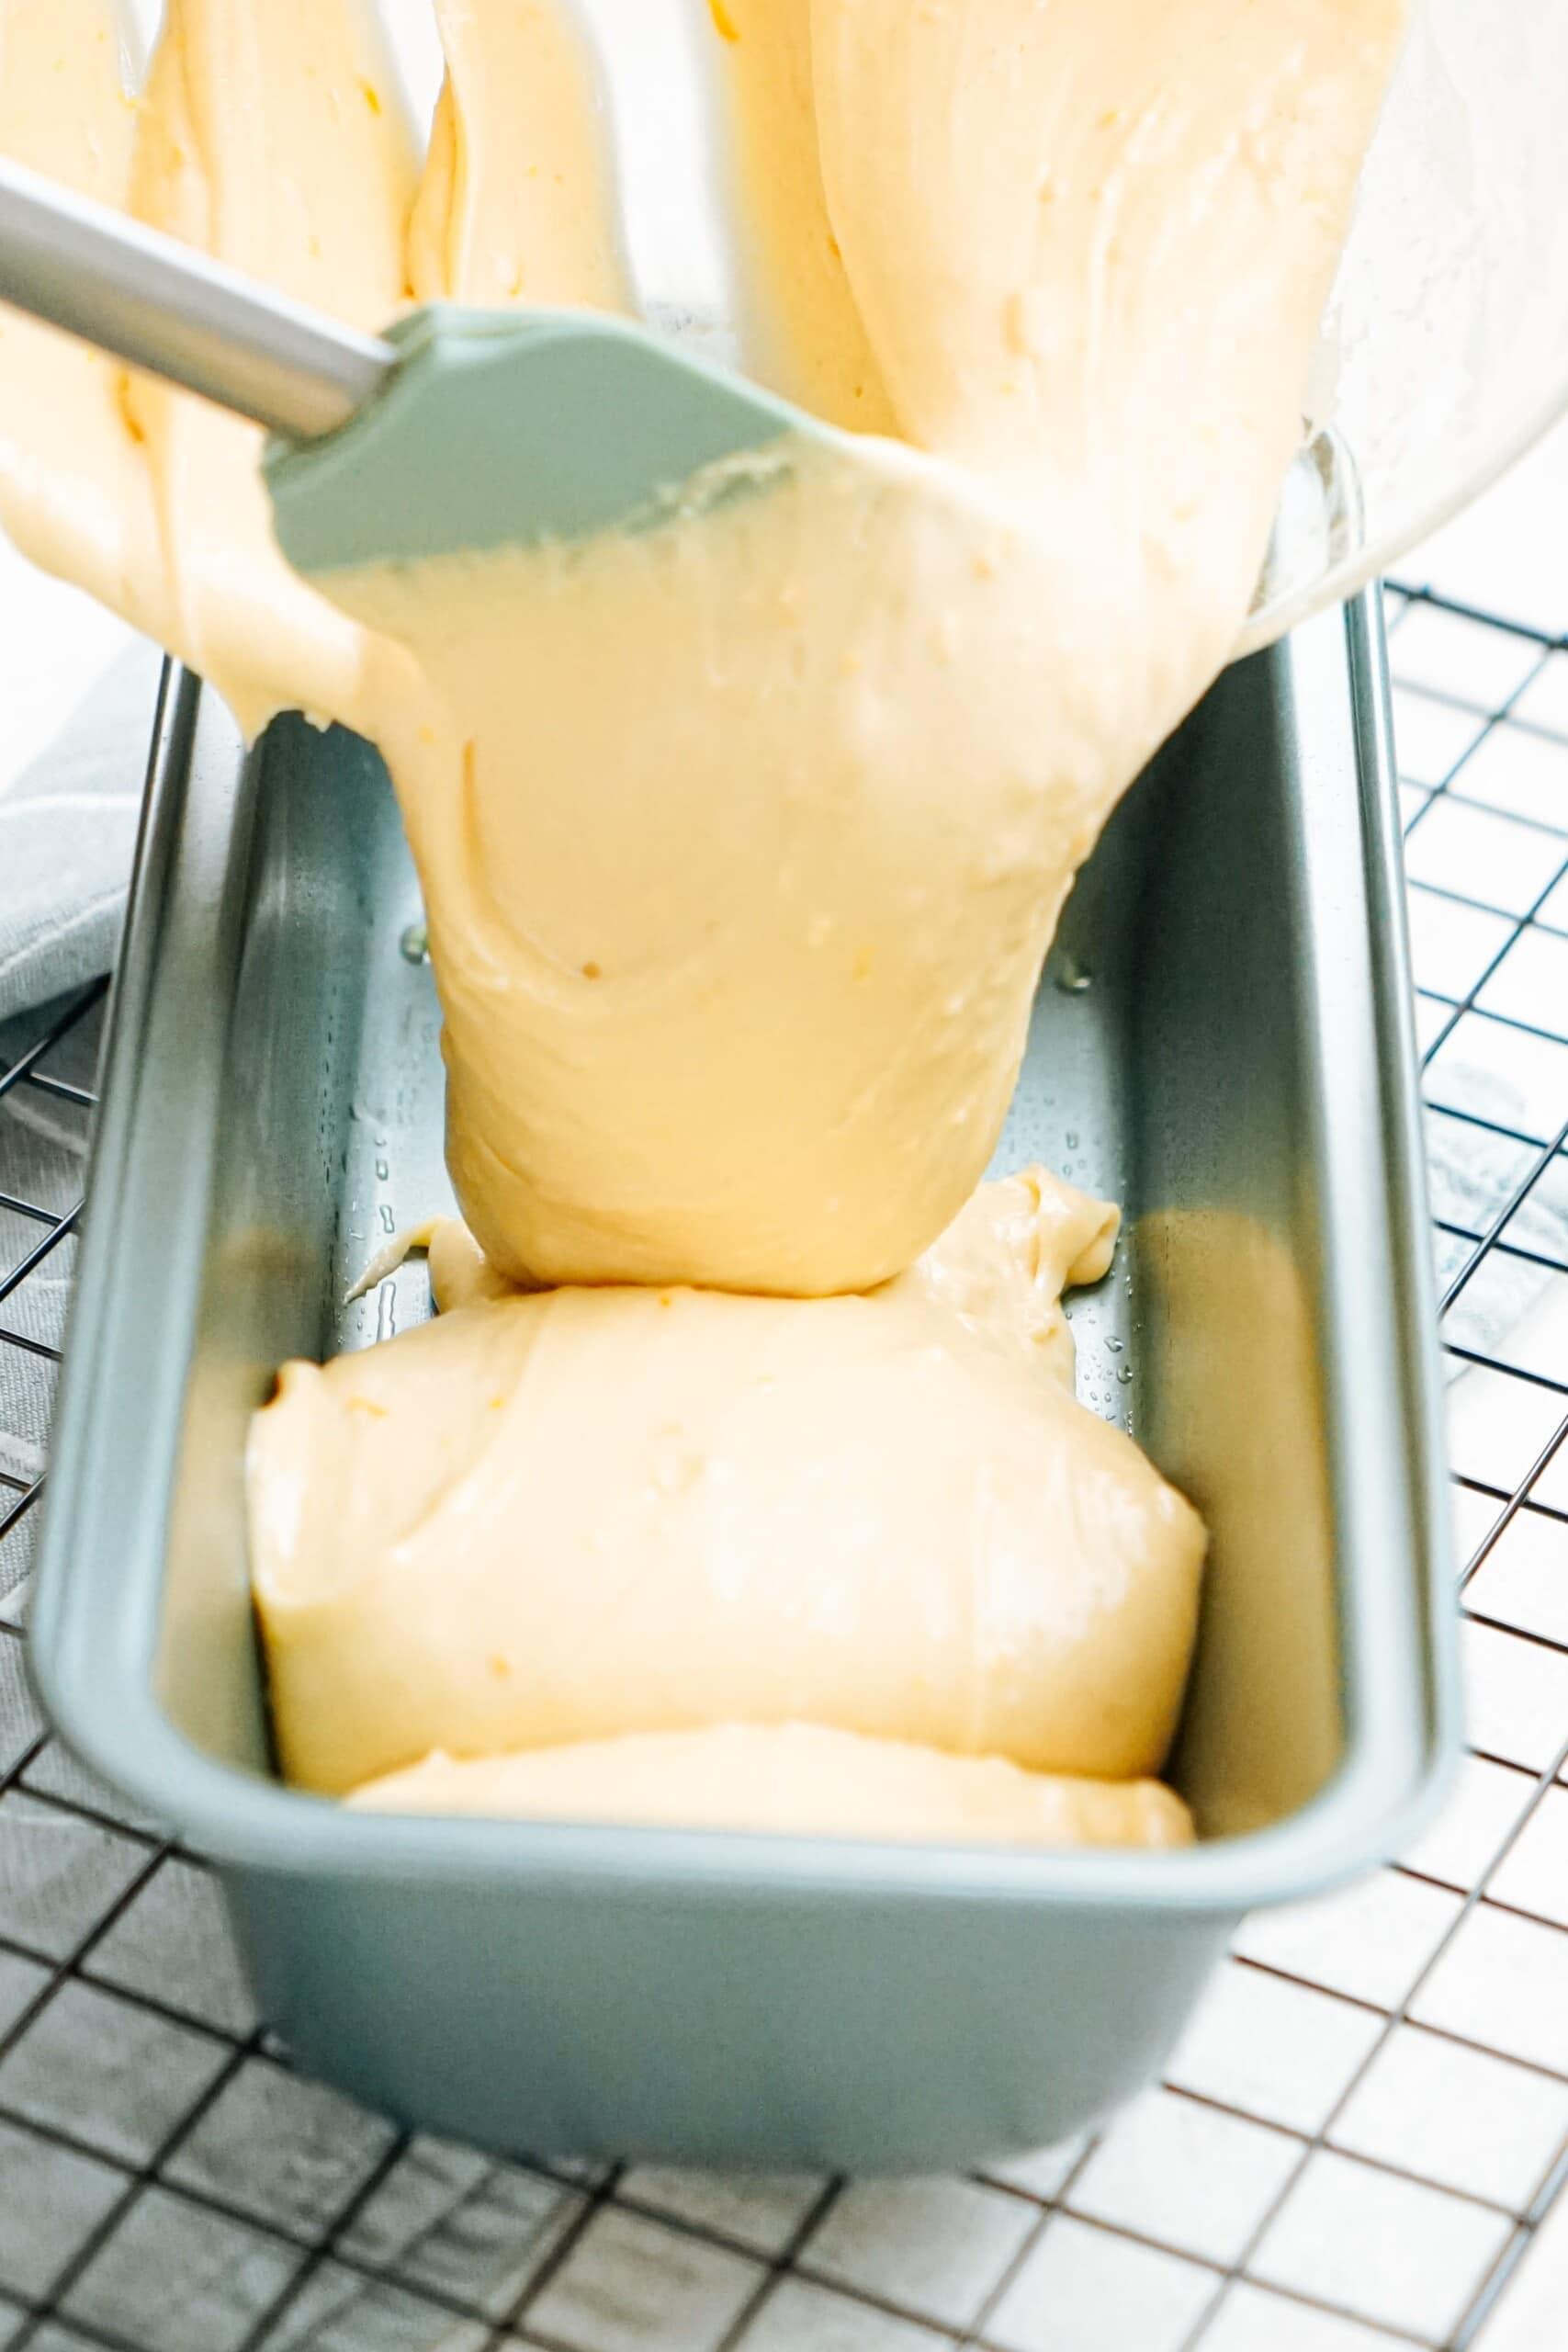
x=1364 y=2135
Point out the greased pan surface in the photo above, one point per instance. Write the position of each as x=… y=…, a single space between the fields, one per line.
x=1222 y=1043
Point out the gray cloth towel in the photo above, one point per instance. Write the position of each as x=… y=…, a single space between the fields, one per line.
x=67 y=829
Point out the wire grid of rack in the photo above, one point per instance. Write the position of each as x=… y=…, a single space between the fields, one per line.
x=1363 y=2135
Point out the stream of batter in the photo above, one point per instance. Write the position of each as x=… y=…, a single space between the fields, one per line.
x=742 y=840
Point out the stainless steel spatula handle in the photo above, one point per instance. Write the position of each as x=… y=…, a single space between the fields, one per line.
x=163 y=307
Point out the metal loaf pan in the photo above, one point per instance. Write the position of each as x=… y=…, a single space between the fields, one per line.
x=1221 y=1043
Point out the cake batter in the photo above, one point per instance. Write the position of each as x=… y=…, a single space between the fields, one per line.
x=742 y=839
x=578 y=1513
x=793 y=1778
x=736 y=985
x=270 y=136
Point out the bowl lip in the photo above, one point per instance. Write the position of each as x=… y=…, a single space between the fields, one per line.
x=1369 y=554
x=97 y=1607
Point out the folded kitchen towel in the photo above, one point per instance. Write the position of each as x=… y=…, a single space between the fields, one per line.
x=67 y=829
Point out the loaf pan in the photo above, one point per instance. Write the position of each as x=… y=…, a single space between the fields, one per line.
x=1222 y=1043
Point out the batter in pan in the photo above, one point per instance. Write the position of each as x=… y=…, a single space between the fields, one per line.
x=576 y=1513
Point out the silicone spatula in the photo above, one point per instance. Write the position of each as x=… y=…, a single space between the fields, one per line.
x=459 y=429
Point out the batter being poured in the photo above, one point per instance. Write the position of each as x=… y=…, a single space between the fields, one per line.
x=742 y=838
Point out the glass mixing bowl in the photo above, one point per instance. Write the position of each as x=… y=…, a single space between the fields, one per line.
x=1444 y=351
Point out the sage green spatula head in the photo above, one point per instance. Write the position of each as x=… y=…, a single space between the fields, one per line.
x=498 y=430
x=460 y=429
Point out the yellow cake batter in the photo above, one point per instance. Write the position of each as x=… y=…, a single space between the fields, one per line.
x=514 y=204
x=743 y=841
x=797 y=1779
x=740 y=999
x=805 y=333
x=582 y=1512
x=736 y=985
x=269 y=136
